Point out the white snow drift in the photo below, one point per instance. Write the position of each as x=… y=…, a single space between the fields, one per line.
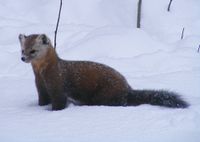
x=152 y=57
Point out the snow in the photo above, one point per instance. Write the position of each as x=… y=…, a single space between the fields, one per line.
x=152 y=57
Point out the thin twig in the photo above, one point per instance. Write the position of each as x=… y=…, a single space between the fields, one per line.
x=139 y=13
x=169 y=6
x=57 y=24
x=198 y=49
x=182 y=34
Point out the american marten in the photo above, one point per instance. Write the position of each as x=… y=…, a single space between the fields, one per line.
x=83 y=82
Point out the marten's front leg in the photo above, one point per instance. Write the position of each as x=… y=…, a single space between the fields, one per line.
x=44 y=98
x=59 y=101
x=57 y=94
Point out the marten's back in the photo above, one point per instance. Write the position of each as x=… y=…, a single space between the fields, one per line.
x=85 y=77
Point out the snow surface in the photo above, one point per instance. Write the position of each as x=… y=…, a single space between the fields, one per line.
x=153 y=57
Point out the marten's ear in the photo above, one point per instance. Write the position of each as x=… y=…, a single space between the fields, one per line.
x=43 y=39
x=22 y=38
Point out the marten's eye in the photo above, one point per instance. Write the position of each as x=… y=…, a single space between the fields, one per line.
x=32 y=51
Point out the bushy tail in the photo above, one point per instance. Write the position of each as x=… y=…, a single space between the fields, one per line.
x=160 y=97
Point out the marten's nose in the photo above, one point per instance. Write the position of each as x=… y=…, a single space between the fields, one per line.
x=23 y=59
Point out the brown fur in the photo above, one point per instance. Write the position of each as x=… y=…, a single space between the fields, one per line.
x=82 y=82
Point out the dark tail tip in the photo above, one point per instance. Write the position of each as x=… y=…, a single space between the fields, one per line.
x=160 y=98
x=169 y=99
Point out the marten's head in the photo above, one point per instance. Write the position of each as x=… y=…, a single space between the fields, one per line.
x=34 y=47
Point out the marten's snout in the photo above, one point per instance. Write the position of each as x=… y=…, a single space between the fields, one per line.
x=23 y=59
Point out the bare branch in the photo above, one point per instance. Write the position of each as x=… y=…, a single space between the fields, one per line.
x=57 y=24
x=182 y=33
x=139 y=13
x=169 y=6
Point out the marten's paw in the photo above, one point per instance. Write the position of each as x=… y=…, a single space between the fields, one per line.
x=58 y=106
x=43 y=103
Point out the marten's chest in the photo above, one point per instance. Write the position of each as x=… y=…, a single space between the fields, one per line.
x=39 y=67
